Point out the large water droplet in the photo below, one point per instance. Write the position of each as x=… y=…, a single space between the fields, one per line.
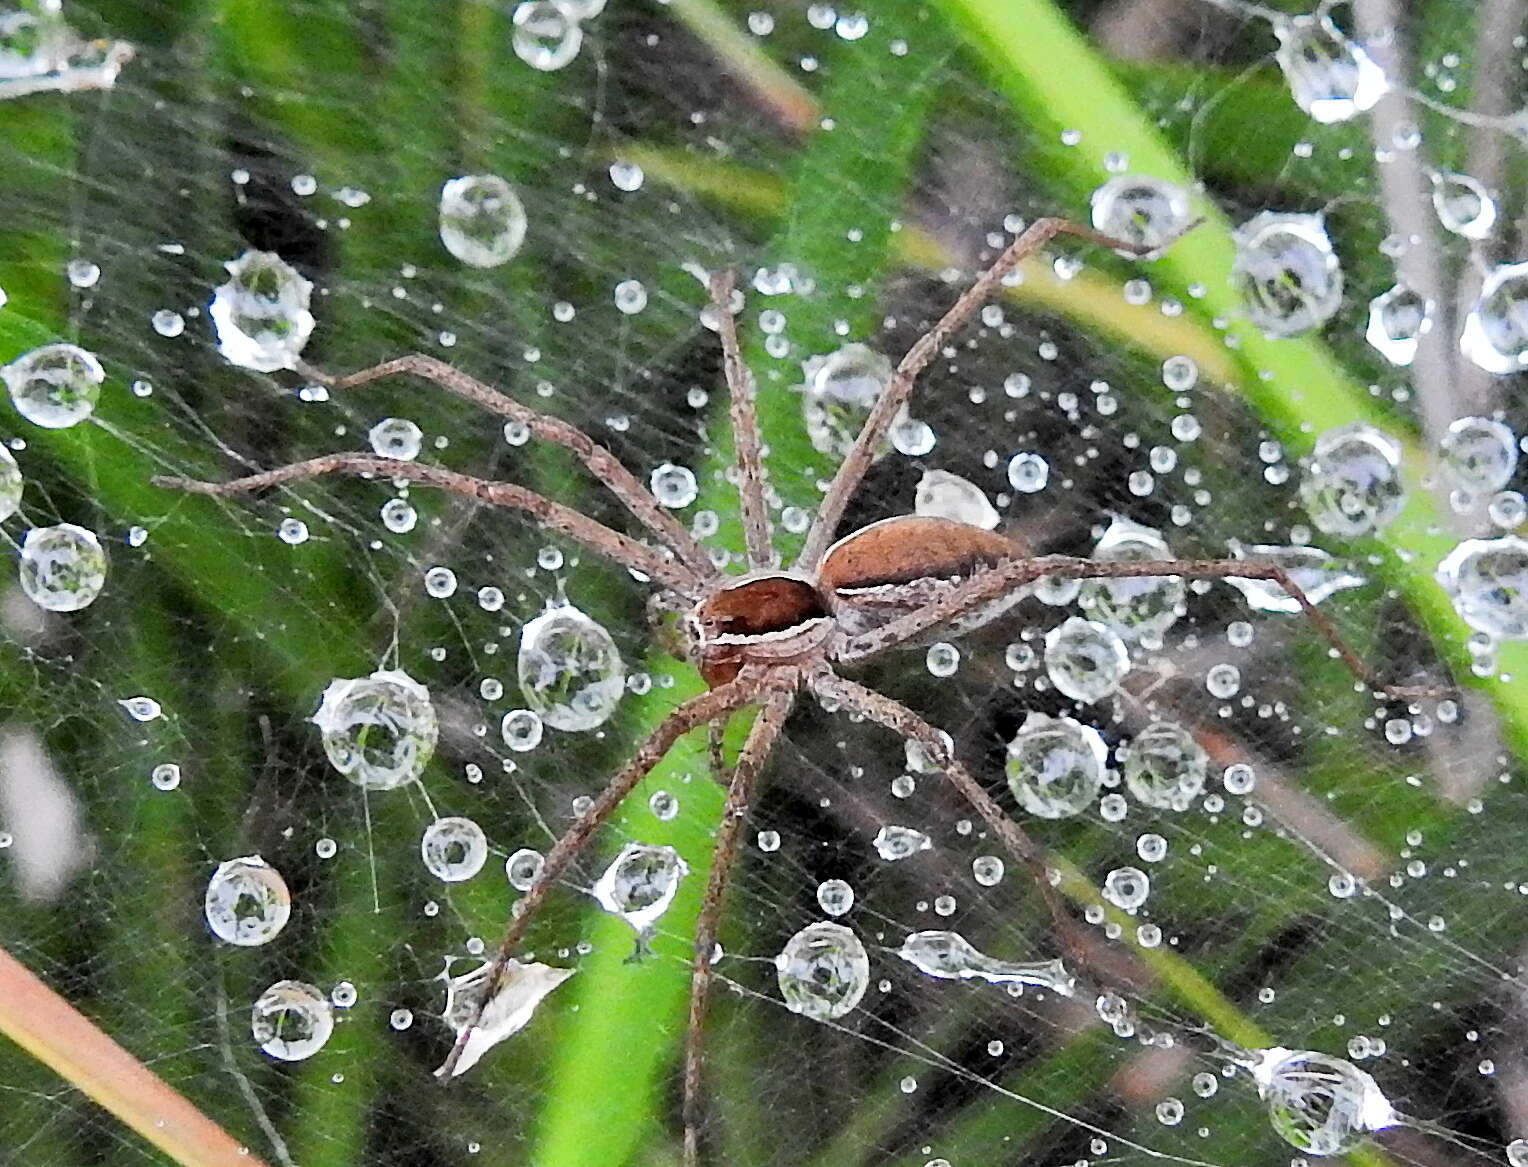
x=396 y=437
x=547 y=34
x=1352 y=484
x=1478 y=454
x=893 y=843
x=11 y=484
x=1320 y=1104
x=1329 y=76
x=639 y=885
x=1488 y=581
x=1055 y=765
x=841 y=389
x=1142 y=608
x=950 y=956
x=291 y=1021
x=1463 y=205
x=823 y=971
x=247 y=901
x=1495 y=333
x=378 y=731
x=1142 y=210
x=1127 y=888
x=55 y=386
x=40 y=53
x=63 y=568
x=1287 y=272
x=1085 y=660
x=261 y=314
x=454 y=849
x=482 y=221
x=521 y=989
x=1165 y=767
x=943 y=495
x=570 y=671
x=1315 y=573
x=1398 y=320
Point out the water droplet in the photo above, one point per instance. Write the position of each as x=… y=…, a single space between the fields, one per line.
x=823 y=971
x=55 y=386
x=987 y=870
x=247 y=902
x=1495 y=333
x=482 y=221
x=1315 y=573
x=1028 y=473
x=83 y=273
x=261 y=313
x=1507 y=510
x=835 y=897
x=639 y=885
x=454 y=849
x=1127 y=887
x=674 y=486
x=665 y=806
x=168 y=323
x=1165 y=767
x=918 y=760
x=291 y=1021
x=1463 y=206
x=292 y=531
x=1329 y=76
x=841 y=389
x=1517 y=1153
x=521 y=729
x=943 y=495
x=521 y=989
x=399 y=516
x=1478 y=454
x=524 y=868
x=1055 y=765
x=1085 y=660
x=942 y=659
x=378 y=731
x=141 y=708
x=630 y=297
x=11 y=484
x=1288 y=275
x=1487 y=579
x=547 y=34
x=1222 y=681
x=396 y=437
x=1398 y=319
x=63 y=568
x=950 y=956
x=1140 y=609
x=893 y=843
x=1320 y=1104
x=627 y=176
x=165 y=776
x=569 y=669
x=1142 y=210
x=1352 y=484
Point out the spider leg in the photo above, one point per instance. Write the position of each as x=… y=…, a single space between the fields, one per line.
x=990 y=583
x=696 y=711
x=551 y=515
x=750 y=763
x=745 y=426
x=604 y=465
x=852 y=469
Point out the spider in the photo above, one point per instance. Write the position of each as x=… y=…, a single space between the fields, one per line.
x=761 y=637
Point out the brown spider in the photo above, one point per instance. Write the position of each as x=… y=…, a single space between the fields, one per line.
x=760 y=637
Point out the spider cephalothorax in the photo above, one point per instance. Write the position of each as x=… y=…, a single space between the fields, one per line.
x=760 y=638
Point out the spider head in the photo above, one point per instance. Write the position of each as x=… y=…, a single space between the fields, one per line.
x=764 y=618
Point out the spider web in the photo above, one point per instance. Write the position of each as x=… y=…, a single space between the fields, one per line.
x=890 y=164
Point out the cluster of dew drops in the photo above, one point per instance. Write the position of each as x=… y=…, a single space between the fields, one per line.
x=380 y=731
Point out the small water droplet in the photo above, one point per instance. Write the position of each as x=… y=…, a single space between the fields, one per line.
x=55 y=386
x=291 y=1021
x=1463 y=206
x=1055 y=765
x=63 y=568
x=674 y=486
x=1085 y=660
x=1287 y=272
x=1487 y=579
x=835 y=896
x=454 y=849
x=1495 y=333
x=547 y=34
x=396 y=437
x=1330 y=77
x=1398 y=319
x=247 y=902
x=823 y=971
x=482 y=221
x=1142 y=210
x=893 y=843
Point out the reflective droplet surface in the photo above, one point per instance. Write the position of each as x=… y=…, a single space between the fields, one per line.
x=1320 y=1104
x=674 y=486
x=639 y=885
x=291 y=1021
x=547 y=34
x=1287 y=273
x=841 y=389
x=1315 y=573
x=261 y=313
x=835 y=896
x=943 y=495
x=482 y=221
x=1165 y=767
x=454 y=849
x=1487 y=579
x=63 y=568
x=141 y=708
x=1478 y=454
x=570 y=671
x=1352 y=483
x=1463 y=205
x=1329 y=76
x=378 y=731
x=1142 y=210
x=1495 y=333
x=1398 y=319
x=1055 y=765
x=396 y=437
x=55 y=386
x=521 y=730
x=1142 y=608
x=950 y=956
x=11 y=484
x=823 y=971
x=1085 y=660
x=523 y=868
x=893 y=843
x=1028 y=473
x=1127 y=888
x=521 y=989
x=247 y=902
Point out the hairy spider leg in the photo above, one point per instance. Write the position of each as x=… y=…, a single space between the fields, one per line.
x=745 y=426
